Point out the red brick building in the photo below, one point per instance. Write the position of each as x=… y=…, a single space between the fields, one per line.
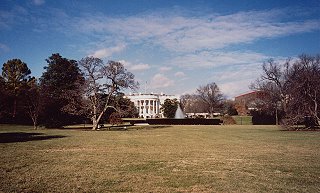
x=246 y=102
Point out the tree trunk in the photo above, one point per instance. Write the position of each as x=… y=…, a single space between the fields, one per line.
x=14 y=107
x=35 y=125
x=94 y=117
x=315 y=108
x=35 y=122
x=94 y=123
x=96 y=120
x=101 y=114
x=277 y=118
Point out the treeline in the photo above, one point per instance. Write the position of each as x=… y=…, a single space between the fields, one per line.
x=208 y=99
x=289 y=94
x=68 y=92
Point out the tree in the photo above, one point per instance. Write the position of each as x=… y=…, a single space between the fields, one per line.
x=3 y=99
x=61 y=85
x=120 y=105
x=192 y=103
x=34 y=103
x=229 y=108
x=125 y=107
x=303 y=90
x=292 y=88
x=241 y=108
x=15 y=74
x=273 y=82
x=170 y=107
x=104 y=80
x=211 y=96
x=115 y=119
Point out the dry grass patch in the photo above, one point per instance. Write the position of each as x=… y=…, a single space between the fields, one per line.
x=162 y=159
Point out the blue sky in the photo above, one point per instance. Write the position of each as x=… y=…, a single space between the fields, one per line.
x=170 y=46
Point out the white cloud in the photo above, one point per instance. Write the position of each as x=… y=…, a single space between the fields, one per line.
x=139 y=67
x=4 y=48
x=234 y=88
x=192 y=42
x=234 y=81
x=161 y=81
x=188 y=34
x=215 y=59
x=180 y=74
x=135 y=67
x=165 y=68
x=106 y=52
x=38 y=2
x=11 y=17
x=125 y=63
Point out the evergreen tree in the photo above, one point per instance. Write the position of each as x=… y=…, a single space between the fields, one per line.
x=61 y=86
x=15 y=75
x=170 y=107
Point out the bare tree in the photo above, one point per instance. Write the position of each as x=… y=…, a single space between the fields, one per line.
x=191 y=103
x=303 y=90
x=272 y=83
x=292 y=87
x=34 y=102
x=211 y=95
x=104 y=80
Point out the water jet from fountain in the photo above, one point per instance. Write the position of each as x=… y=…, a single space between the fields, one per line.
x=179 y=113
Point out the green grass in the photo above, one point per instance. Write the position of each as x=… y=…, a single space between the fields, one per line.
x=160 y=159
x=243 y=120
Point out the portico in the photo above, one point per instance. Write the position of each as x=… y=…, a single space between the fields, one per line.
x=148 y=105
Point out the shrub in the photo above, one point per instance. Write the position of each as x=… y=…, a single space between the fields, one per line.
x=262 y=118
x=115 y=119
x=228 y=120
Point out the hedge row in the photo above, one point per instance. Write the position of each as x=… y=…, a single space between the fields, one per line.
x=178 y=121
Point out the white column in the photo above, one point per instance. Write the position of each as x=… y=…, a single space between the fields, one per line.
x=144 y=109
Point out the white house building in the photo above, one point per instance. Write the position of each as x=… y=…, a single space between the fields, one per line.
x=148 y=105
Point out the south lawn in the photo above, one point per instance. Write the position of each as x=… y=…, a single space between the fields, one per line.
x=160 y=159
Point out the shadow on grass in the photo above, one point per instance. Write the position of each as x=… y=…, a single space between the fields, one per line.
x=119 y=127
x=14 y=137
x=157 y=127
x=134 y=127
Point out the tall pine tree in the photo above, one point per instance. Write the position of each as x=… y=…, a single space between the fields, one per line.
x=61 y=85
x=15 y=76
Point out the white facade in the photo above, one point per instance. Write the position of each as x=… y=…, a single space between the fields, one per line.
x=148 y=105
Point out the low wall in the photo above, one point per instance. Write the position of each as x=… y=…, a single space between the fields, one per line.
x=183 y=121
x=165 y=121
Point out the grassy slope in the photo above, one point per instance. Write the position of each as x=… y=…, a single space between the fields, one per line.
x=168 y=159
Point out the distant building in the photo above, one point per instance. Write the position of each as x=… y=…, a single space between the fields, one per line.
x=248 y=101
x=148 y=105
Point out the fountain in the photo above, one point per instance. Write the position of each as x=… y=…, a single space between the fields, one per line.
x=180 y=119
x=179 y=113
